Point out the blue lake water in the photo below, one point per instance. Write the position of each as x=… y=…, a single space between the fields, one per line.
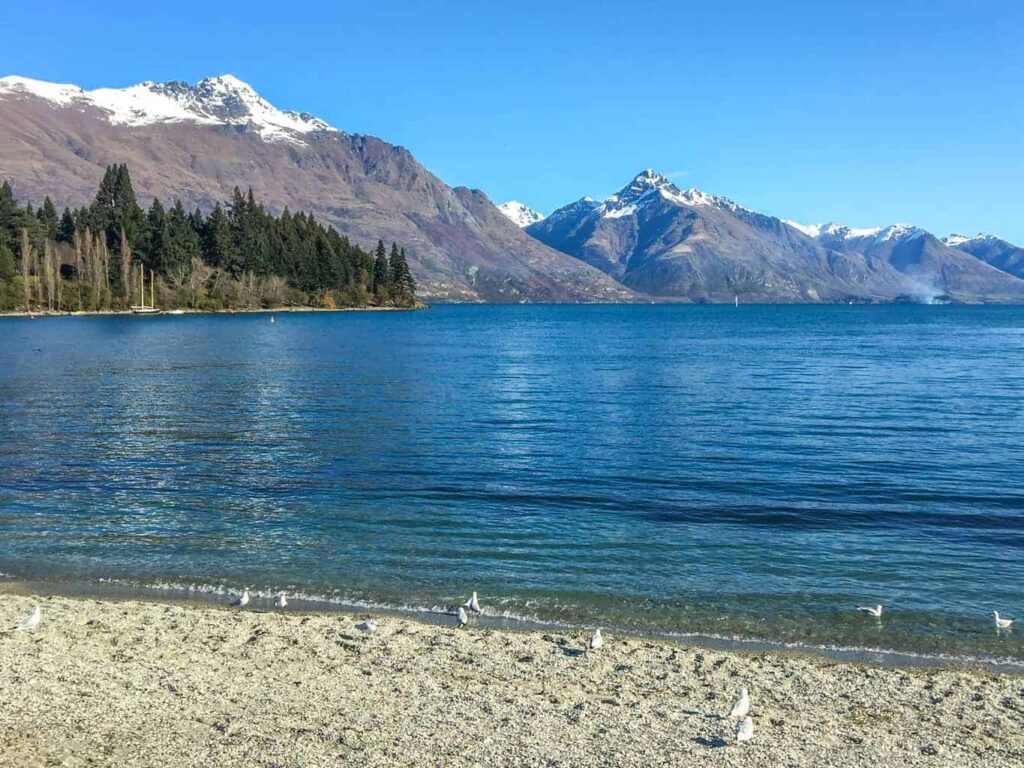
x=751 y=472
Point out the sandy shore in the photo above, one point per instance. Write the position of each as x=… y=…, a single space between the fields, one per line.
x=107 y=683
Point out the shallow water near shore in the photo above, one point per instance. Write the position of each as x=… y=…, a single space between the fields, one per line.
x=735 y=473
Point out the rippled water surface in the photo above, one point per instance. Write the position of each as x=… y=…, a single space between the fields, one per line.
x=752 y=472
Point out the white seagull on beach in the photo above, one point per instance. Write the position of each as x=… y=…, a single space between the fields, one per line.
x=369 y=626
x=281 y=601
x=32 y=621
x=742 y=706
x=473 y=604
x=463 y=618
x=242 y=601
x=745 y=730
x=1001 y=623
x=596 y=642
x=875 y=611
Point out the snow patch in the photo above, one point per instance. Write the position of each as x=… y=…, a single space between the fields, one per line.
x=956 y=241
x=223 y=100
x=520 y=215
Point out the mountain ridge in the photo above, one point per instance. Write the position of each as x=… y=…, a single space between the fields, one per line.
x=199 y=142
x=692 y=245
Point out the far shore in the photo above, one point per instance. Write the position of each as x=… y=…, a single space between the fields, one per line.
x=138 y=683
x=186 y=311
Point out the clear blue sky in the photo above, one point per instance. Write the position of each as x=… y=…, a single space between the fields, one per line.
x=866 y=112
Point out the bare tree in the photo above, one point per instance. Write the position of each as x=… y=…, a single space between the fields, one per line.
x=27 y=258
x=78 y=267
x=126 y=261
x=48 y=263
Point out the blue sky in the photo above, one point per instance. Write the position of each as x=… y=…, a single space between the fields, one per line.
x=865 y=112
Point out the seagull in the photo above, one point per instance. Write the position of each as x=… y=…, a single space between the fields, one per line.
x=369 y=626
x=596 y=641
x=745 y=730
x=473 y=604
x=463 y=618
x=281 y=601
x=242 y=601
x=876 y=611
x=32 y=621
x=742 y=706
x=1000 y=623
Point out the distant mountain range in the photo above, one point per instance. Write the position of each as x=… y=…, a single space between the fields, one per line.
x=197 y=142
x=651 y=241
x=673 y=244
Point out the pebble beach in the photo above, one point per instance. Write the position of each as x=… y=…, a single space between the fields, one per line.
x=135 y=683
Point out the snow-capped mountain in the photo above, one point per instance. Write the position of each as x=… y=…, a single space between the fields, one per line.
x=992 y=250
x=649 y=186
x=667 y=242
x=223 y=100
x=520 y=215
x=197 y=142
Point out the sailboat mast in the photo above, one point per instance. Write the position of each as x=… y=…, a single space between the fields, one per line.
x=152 y=289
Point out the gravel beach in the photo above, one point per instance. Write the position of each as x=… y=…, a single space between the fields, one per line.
x=132 y=683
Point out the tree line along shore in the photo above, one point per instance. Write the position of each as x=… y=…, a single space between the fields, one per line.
x=113 y=255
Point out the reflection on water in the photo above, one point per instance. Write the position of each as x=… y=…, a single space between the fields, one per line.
x=756 y=471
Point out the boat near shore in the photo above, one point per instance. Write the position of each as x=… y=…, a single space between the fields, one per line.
x=142 y=308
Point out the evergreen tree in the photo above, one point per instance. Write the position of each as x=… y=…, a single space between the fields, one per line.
x=8 y=266
x=403 y=286
x=381 y=272
x=47 y=216
x=66 y=228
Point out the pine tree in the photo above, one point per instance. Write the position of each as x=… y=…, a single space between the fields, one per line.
x=66 y=229
x=380 y=273
x=402 y=284
x=47 y=216
x=8 y=266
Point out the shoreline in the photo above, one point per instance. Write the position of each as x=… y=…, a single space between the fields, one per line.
x=166 y=312
x=117 y=590
x=125 y=682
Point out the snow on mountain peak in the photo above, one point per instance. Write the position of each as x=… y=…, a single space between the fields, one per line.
x=223 y=100
x=520 y=215
x=646 y=185
x=899 y=232
x=833 y=230
x=956 y=241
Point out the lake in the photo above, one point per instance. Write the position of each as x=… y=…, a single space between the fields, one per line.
x=749 y=473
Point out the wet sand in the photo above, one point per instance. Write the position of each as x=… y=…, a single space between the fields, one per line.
x=132 y=683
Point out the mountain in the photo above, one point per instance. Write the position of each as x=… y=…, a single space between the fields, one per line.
x=520 y=215
x=197 y=142
x=935 y=267
x=689 y=245
x=992 y=250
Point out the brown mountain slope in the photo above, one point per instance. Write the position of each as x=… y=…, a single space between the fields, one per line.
x=460 y=247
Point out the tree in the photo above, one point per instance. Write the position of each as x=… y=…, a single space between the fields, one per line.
x=47 y=216
x=403 y=286
x=66 y=229
x=27 y=257
x=8 y=266
x=126 y=268
x=381 y=272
